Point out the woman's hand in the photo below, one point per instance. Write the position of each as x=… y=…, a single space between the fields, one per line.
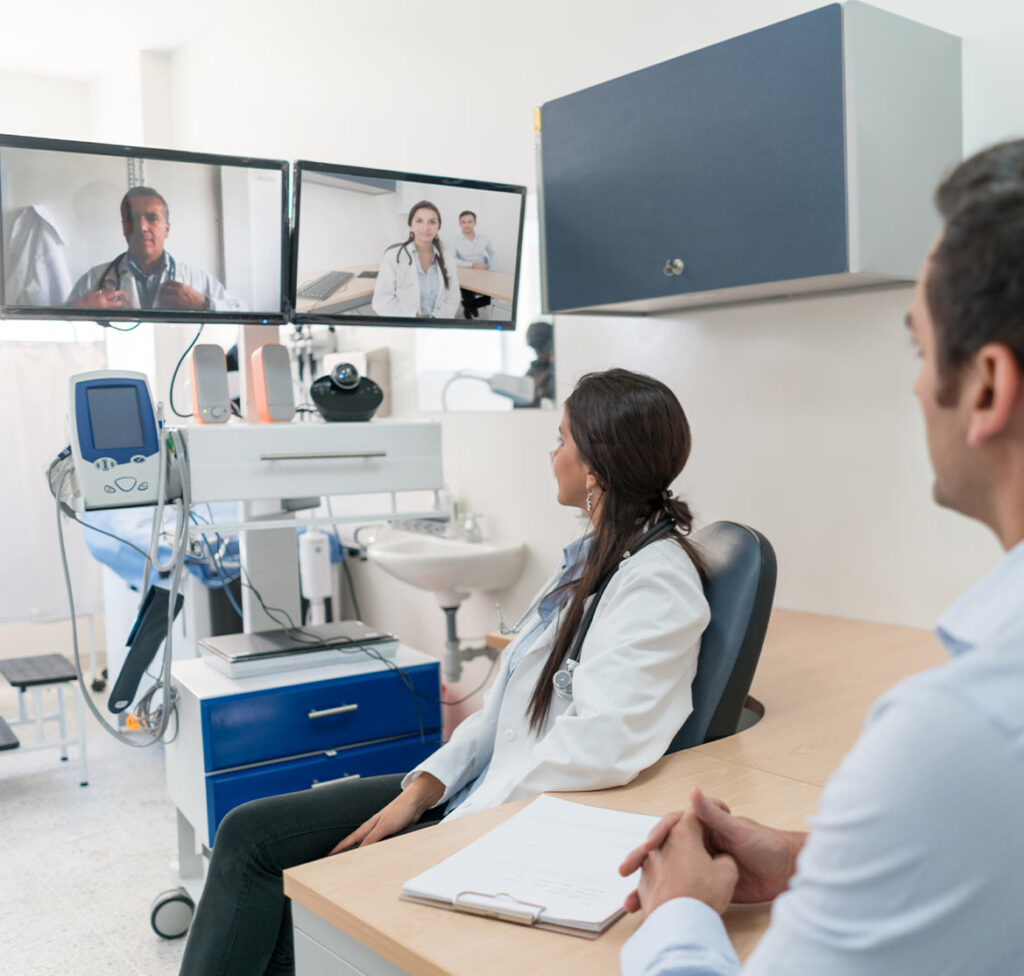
x=403 y=811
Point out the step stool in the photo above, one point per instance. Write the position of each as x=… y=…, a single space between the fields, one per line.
x=35 y=674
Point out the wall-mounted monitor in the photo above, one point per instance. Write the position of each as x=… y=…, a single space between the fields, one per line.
x=91 y=231
x=376 y=247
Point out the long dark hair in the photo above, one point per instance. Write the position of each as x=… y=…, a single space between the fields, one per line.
x=438 y=249
x=632 y=433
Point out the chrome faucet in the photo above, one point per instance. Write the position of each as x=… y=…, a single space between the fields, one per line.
x=470 y=528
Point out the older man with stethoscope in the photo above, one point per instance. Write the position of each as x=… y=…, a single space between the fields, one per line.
x=145 y=275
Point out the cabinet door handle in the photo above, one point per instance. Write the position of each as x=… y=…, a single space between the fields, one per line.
x=327 y=782
x=323 y=456
x=340 y=710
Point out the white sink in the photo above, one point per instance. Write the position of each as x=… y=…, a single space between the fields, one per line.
x=450 y=568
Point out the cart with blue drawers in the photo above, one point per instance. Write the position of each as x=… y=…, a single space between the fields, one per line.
x=238 y=739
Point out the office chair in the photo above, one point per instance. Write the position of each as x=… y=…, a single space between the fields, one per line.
x=739 y=589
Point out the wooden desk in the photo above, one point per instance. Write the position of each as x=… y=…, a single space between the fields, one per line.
x=492 y=283
x=817 y=678
x=353 y=294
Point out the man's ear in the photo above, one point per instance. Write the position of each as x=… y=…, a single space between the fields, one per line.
x=994 y=388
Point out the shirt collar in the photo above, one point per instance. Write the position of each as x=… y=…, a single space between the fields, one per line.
x=574 y=556
x=577 y=550
x=414 y=254
x=988 y=608
x=139 y=273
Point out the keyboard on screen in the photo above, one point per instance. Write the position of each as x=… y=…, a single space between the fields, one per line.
x=323 y=287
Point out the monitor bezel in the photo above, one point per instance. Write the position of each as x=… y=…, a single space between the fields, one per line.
x=340 y=169
x=169 y=316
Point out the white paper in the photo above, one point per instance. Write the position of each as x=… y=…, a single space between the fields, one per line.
x=556 y=853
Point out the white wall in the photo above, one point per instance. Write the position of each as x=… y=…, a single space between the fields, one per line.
x=802 y=412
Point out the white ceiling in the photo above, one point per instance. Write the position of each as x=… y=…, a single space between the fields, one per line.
x=91 y=34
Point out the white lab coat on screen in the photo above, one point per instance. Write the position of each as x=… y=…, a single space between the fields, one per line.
x=36 y=267
x=631 y=693
x=397 y=290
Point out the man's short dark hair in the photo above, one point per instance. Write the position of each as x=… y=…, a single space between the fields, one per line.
x=975 y=286
x=467 y=213
x=141 y=191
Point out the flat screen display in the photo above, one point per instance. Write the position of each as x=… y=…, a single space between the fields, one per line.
x=114 y=418
x=379 y=247
x=116 y=232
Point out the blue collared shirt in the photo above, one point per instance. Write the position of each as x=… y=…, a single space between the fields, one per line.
x=915 y=864
x=148 y=284
x=547 y=608
x=430 y=283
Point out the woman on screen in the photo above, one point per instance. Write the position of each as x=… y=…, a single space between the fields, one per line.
x=417 y=278
x=622 y=441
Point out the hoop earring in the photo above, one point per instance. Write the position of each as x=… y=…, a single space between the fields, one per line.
x=590 y=496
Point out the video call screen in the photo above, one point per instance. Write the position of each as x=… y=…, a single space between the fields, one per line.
x=154 y=236
x=376 y=247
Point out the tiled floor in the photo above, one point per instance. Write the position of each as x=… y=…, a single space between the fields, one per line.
x=81 y=865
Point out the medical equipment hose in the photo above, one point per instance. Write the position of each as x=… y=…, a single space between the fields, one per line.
x=164 y=682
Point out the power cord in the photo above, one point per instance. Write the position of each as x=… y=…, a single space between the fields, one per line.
x=156 y=722
x=174 y=375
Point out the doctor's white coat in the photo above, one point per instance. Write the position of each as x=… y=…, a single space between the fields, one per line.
x=631 y=693
x=397 y=289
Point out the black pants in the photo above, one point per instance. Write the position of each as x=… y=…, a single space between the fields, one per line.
x=472 y=302
x=243 y=923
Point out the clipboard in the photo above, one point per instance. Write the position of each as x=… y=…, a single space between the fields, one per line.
x=552 y=865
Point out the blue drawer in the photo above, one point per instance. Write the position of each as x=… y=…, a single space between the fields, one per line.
x=282 y=722
x=225 y=791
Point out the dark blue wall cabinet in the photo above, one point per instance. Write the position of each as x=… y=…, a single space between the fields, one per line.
x=801 y=157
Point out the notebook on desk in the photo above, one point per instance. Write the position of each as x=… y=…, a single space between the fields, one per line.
x=554 y=865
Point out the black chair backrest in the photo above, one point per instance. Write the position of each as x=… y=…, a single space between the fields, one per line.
x=739 y=589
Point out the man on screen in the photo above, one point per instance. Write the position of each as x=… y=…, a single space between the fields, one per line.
x=145 y=275
x=473 y=250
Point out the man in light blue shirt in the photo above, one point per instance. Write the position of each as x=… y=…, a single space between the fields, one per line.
x=915 y=864
x=473 y=250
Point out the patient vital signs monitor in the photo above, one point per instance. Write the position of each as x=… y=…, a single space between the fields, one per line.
x=114 y=439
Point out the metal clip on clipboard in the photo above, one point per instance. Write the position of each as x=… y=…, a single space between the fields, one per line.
x=501 y=906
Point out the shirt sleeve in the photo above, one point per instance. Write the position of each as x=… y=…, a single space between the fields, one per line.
x=220 y=300
x=683 y=937
x=914 y=855
x=632 y=688
x=912 y=865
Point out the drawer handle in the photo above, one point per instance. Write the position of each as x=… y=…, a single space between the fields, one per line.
x=673 y=266
x=323 y=455
x=327 y=782
x=340 y=710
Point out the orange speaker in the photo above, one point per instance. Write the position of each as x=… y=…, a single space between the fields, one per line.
x=272 y=383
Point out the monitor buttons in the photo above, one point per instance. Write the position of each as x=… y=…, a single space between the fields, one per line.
x=138 y=459
x=106 y=464
x=143 y=486
x=125 y=484
x=110 y=490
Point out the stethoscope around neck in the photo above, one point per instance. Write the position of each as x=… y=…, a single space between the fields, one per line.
x=562 y=678
x=115 y=270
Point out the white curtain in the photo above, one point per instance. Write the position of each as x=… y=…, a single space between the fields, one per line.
x=34 y=407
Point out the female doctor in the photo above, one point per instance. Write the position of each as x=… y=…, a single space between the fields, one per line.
x=623 y=439
x=417 y=278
